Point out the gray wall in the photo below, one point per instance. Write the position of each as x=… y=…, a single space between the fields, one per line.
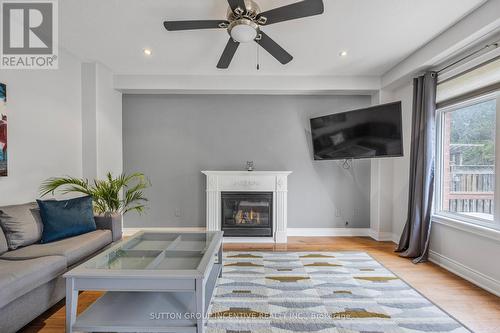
x=172 y=138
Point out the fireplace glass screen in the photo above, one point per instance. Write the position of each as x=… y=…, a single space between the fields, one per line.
x=247 y=214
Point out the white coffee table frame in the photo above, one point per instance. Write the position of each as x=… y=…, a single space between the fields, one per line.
x=136 y=300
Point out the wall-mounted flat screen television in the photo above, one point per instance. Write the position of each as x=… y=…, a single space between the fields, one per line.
x=366 y=133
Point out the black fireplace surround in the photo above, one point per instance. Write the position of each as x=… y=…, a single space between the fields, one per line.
x=247 y=214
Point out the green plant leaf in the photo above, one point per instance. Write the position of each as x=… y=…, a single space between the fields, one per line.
x=110 y=195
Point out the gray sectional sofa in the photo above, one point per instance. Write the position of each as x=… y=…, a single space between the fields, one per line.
x=31 y=276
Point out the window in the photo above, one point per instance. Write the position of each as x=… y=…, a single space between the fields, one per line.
x=467 y=160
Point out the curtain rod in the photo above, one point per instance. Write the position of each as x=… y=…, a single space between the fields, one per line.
x=494 y=45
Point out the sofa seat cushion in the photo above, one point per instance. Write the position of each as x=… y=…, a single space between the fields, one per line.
x=74 y=248
x=18 y=277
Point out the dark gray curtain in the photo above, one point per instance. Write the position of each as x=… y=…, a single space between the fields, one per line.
x=414 y=242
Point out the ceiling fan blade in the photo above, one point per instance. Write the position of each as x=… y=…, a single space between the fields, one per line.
x=294 y=11
x=274 y=49
x=236 y=3
x=228 y=53
x=193 y=25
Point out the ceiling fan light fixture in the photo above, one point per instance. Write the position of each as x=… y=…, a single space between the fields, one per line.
x=243 y=30
x=243 y=23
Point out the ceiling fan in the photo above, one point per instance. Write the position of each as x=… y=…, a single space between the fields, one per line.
x=244 y=22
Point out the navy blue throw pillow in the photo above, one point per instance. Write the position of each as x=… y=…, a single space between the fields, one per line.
x=66 y=218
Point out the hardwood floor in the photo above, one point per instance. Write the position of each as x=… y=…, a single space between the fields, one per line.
x=474 y=307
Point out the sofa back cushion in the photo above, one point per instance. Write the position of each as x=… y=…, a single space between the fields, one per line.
x=21 y=225
x=66 y=218
x=3 y=243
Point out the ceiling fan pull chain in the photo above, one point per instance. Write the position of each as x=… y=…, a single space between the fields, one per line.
x=258 y=58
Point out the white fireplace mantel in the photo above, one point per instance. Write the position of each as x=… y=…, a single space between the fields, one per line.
x=251 y=181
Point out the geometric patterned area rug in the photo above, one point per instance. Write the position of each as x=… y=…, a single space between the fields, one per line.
x=324 y=292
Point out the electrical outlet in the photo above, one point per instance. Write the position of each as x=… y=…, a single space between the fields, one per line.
x=338 y=212
x=177 y=212
x=355 y=212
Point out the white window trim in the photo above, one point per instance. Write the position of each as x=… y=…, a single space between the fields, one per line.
x=472 y=228
x=461 y=68
x=485 y=227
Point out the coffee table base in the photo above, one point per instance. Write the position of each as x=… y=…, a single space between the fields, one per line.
x=168 y=306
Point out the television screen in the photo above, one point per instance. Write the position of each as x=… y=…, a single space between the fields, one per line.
x=365 y=133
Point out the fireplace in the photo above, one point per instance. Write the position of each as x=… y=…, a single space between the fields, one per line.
x=273 y=184
x=247 y=214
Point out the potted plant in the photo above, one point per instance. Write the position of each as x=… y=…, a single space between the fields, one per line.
x=112 y=197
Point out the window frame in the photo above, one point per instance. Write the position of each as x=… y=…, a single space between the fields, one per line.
x=439 y=164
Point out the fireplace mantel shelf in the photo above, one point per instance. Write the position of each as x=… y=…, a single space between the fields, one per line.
x=250 y=181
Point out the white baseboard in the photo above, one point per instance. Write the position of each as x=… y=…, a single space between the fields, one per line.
x=383 y=236
x=479 y=279
x=281 y=237
x=318 y=232
x=260 y=240
x=396 y=238
x=306 y=232
x=131 y=231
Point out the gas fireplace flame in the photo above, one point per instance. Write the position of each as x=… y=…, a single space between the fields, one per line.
x=247 y=217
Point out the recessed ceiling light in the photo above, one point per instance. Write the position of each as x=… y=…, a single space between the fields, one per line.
x=343 y=53
x=148 y=52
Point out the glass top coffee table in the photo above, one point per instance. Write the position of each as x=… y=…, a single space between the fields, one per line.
x=154 y=282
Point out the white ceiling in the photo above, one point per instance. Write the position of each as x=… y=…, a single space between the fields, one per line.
x=377 y=34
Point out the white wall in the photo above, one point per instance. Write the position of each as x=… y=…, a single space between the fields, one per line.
x=89 y=120
x=474 y=256
x=460 y=250
x=381 y=179
x=44 y=127
x=102 y=122
x=400 y=169
x=395 y=177
x=48 y=135
x=109 y=124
